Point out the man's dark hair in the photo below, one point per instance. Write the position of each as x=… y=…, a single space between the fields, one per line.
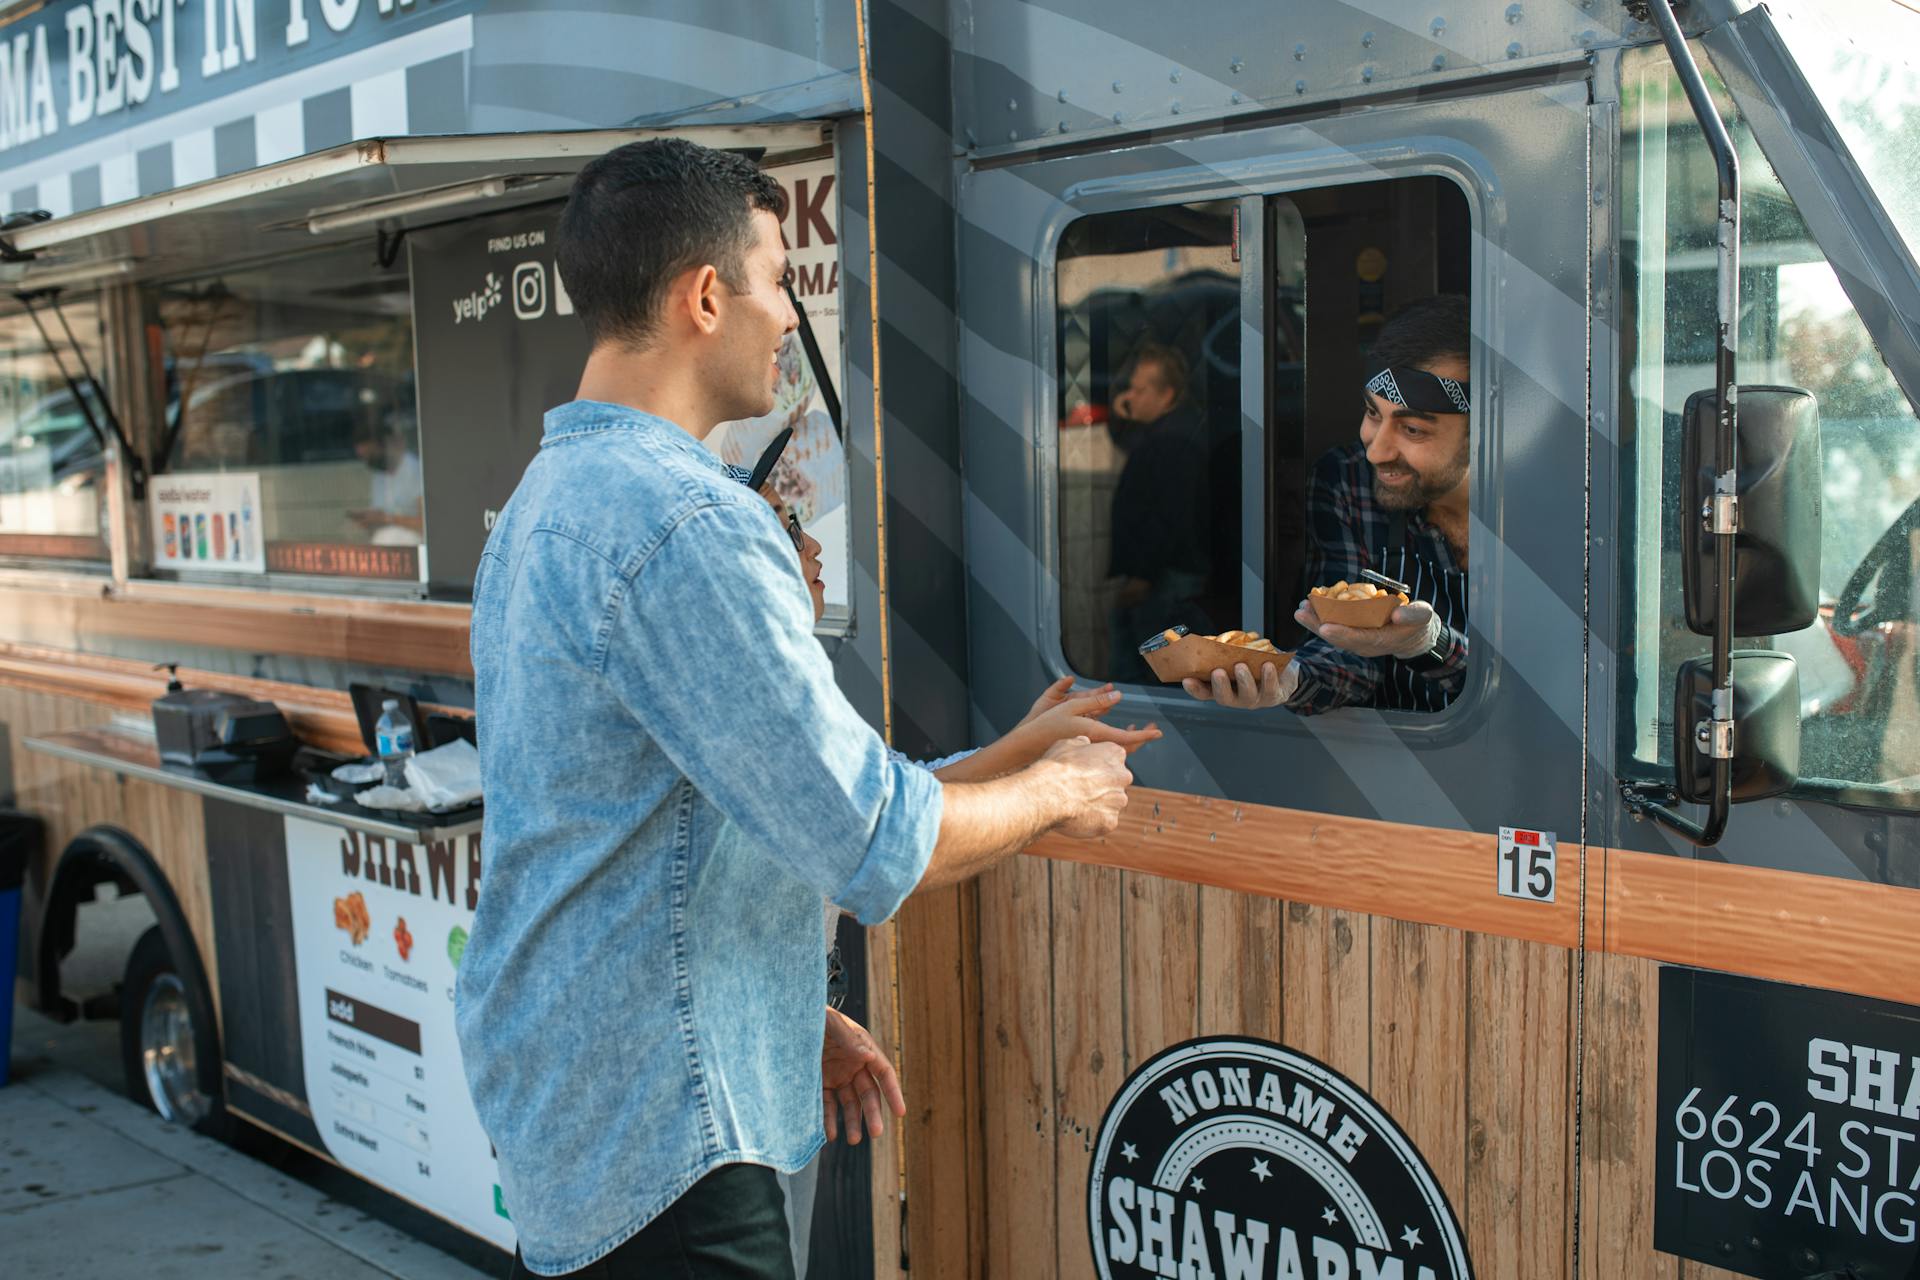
x=1168 y=360
x=1423 y=332
x=642 y=214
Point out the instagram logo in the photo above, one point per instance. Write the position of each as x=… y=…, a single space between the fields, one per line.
x=530 y=290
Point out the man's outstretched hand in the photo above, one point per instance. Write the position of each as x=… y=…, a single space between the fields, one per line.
x=856 y=1081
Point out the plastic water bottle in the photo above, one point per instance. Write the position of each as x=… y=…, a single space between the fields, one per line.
x=393 y=739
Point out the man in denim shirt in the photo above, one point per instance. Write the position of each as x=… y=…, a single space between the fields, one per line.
x=674 y=782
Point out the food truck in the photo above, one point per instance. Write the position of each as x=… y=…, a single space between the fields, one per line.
x=1609 y=967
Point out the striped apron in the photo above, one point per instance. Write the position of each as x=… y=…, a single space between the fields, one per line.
x=1406 y=689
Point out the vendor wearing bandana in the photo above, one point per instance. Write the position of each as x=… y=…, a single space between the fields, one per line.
x=1394 y=502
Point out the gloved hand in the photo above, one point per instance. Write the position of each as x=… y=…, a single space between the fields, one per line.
x=1241 y=690
x=1411 y=630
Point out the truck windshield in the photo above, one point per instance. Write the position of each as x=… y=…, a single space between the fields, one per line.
x=1862 y=59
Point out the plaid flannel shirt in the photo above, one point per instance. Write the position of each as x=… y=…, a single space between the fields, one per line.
x=1346 y=531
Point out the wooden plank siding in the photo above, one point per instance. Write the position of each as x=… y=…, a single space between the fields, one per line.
x=71 y=797
x=1466 y=1040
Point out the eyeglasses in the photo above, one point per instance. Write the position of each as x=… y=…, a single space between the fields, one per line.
x=795 y=532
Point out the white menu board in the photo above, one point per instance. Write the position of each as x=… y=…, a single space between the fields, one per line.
x=207 y=521
x=378 y=929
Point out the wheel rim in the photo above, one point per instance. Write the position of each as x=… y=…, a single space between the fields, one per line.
x=167 y=1053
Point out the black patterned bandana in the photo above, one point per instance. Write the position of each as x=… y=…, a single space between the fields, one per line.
x=1419 y=390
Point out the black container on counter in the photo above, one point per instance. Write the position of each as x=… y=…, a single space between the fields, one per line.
x=227 y=736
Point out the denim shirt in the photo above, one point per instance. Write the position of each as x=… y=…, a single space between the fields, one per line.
x=674 y=783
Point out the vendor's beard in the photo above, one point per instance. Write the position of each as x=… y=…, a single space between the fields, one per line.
x=1421 y=493
x=1424 y=490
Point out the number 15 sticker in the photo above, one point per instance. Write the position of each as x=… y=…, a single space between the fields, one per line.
x=1527 y=866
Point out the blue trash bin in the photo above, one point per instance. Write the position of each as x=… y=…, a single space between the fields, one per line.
x=19 y=841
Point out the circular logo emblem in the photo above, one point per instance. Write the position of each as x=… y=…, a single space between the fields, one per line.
x=1243 y=1160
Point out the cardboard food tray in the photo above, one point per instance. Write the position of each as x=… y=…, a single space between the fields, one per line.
x=1364 y=614
x=1199 y=656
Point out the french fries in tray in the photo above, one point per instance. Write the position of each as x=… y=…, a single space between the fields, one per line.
x=1355 y=604
x=1176 y=653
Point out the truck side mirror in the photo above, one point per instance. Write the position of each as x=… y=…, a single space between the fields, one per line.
x=1766 y=726
x=1777 y=549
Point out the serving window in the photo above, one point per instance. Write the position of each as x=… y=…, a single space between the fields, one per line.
x=1188 y=431
x=53 y=501
x=289 y=420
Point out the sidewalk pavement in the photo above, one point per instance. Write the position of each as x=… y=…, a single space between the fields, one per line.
x=95 y=1187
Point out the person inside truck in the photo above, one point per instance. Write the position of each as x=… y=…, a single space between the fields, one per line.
x=1394 y=501
x=1160 y=555
x=675 y=783
x=393 y=516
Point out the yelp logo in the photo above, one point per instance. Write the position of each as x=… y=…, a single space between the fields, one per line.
x=479 y=302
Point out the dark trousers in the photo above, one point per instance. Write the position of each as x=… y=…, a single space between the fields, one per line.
x=730 y=1225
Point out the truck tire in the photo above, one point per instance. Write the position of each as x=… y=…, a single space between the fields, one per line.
x=162 y=1046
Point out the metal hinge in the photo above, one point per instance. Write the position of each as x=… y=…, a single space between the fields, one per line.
x=1721 y=513
x=1715 y=738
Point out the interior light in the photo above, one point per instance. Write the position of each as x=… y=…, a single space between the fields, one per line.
x=361 y=215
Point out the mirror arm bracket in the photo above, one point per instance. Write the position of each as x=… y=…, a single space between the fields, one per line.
x=1721 y=513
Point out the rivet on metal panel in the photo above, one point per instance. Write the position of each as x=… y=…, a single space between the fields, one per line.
x=1012 y=105
x=1366 y=73
x=1116 y=117
x=1173 y=76
x=1515 y=13
x=1586 y=4
x=1588 y=38
x=1235 y=66
x=1013 y=135
x=1299 y=86
x=1063 y=95
x=1439 y=62
x=1062 y=126
x=1513 y=50
x=1876 y=840
x=1299 y=53
x=1783 y=809
x=1119 y=86
x=1234 y=99
x=1175 y=107
x=1366 y=41
x=1439 y=27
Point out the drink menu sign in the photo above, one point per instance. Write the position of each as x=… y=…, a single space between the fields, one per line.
x=207 y=522
x=379 y=928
